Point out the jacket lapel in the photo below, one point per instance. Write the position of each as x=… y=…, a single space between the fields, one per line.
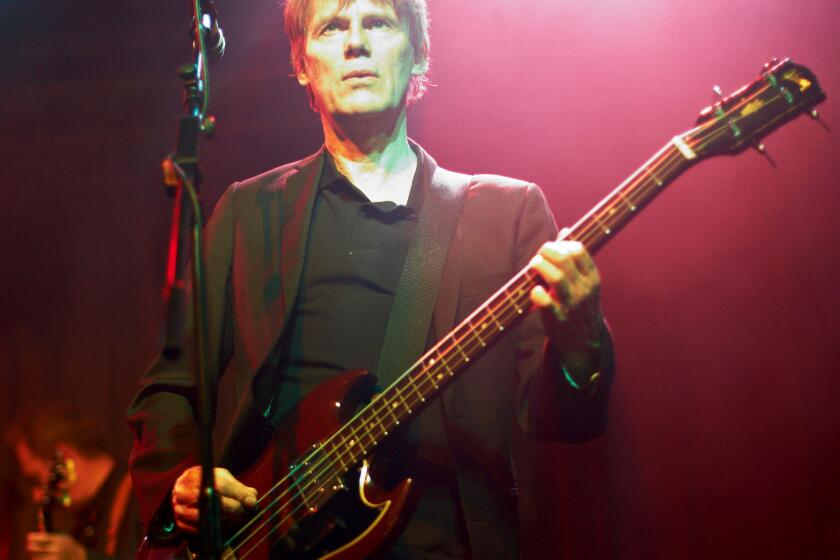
x=276 y=259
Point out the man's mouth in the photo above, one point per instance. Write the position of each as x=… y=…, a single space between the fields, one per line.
x=359 y=74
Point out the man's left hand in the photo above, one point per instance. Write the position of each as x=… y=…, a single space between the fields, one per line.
x=570 y=303
x=54 y=546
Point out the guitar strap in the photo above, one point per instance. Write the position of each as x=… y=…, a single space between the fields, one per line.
x=411 y=313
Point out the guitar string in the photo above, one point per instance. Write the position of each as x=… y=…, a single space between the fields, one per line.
x=384 y=404
x=633 y=188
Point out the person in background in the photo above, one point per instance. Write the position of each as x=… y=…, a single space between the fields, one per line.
x=90 y=512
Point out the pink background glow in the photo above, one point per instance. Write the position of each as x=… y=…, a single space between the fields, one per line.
x=724 y=438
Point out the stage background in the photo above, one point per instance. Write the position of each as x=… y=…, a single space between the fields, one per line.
x=723 y=436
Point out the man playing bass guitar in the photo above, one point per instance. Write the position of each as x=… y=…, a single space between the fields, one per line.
x=304 y=265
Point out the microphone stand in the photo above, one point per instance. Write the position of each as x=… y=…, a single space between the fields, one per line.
x=182 y=177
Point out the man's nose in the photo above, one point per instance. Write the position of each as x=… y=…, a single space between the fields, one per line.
x=357 y=42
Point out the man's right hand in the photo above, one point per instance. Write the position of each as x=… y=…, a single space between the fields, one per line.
x=235 y=497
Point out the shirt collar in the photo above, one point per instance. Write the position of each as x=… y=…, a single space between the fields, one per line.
x=332 y=176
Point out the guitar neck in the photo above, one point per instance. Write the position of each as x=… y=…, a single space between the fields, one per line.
x=624 y=203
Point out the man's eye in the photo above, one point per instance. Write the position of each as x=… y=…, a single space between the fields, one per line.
x=379 y=24
x=331 y=27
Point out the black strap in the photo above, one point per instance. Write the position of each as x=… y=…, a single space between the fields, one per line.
x=411 y=314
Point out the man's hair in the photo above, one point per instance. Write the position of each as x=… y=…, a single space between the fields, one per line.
x=415 y=12
x=44 y=426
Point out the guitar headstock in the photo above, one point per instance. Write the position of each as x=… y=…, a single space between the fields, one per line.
x=783 y=92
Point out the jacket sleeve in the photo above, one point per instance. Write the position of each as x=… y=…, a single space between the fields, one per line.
x=548 y=407
x=162 y=414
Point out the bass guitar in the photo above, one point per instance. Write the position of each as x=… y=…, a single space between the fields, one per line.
x=302 y=482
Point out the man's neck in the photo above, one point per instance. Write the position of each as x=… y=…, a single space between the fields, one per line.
x=373 y=153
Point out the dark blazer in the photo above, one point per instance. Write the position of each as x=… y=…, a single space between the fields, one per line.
x=255 y=244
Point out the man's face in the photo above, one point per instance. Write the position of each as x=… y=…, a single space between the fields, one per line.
x=359 y=60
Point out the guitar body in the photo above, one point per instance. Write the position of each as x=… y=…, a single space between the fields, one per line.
x=360 y=519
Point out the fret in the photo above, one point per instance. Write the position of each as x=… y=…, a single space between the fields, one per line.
x=605 y=228
x=437 y=377
x=375 y=423
x=392 y=408
x=362 y=432
x=428 y=370
x=522 y=292
x=474 y=331
x=627 y=202
x=402 y=399
x=457 y=346
x=511 y=297
x=413 y=384
x=446 y=367
x=612 y=211
x=523 y=300
x=493 y=316
x=352 y=443
x=659 y=182
x=339 y=455
x=386 y=406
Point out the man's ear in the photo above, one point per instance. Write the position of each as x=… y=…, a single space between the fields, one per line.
x=302 y=78
x=420 y=67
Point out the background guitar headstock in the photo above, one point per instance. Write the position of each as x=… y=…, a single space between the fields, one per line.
x=62 y=475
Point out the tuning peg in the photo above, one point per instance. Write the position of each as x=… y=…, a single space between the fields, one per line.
x=769 y=66
x=816 y=116
x=718 y=92
x=762 y=149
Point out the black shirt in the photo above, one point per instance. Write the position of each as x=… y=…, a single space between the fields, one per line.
x=354 y=259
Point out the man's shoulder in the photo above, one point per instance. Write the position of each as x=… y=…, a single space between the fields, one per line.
x=503 y=200
x=499 y=182
x=278 y=176
x=501 y=189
